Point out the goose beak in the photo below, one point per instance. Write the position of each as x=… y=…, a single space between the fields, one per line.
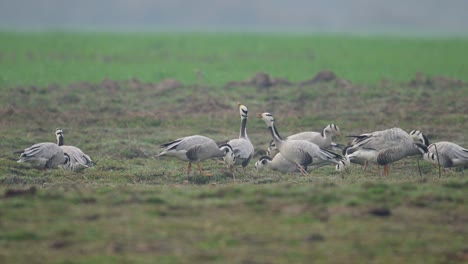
x=259 y=115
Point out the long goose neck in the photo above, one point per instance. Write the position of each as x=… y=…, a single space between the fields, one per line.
x=275 y=134
x=60 y=141
x=243 y=128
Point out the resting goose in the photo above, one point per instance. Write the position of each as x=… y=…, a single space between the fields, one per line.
x=78 y=160
x=194 y=148
x=301 y=152
x=447 y=154
x=241 y=148
x=44 y=155
x=384 y=147
x=322 y=139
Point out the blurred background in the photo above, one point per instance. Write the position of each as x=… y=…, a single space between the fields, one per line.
x=355 y=16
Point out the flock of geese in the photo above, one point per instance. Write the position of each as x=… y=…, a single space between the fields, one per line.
x=300 y=152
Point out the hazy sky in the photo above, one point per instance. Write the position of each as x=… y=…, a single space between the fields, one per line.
x=447 y=17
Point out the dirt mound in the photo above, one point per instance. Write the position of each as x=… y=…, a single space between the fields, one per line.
x=260 y=80
x=420 y=79
x=321 y=76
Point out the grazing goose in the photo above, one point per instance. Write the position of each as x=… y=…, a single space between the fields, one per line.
x=44 y=155
x=343 y=165
x=77 y=159
x=384 y=147
x=241 y=148
x=277 y=163
x=322 y=139
x=192 y=149
x=447 y=154
x=301 y=152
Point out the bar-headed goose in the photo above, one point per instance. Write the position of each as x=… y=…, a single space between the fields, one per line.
x=322 y=139
x=384 y=147
x=301 y=152
x=241 y=148
x=447 y=154
x=78 y=160
x=44 y=155
x=194 y=148
x=277 y=163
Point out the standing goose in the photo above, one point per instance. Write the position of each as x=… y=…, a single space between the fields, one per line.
x=447 y=154
x=78 y=160
x=384 y=147
x=322 y=139
x=192 y=149
x=301 y=152
x=44 y=155
x=241 y=148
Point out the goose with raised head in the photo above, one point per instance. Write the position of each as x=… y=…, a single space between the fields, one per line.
x=242 y=150
x=300 y=152
x=78 y=160
x=322 y=139
x=384 y=147
x=447 y=154
x=194 y=148
x=44 y=155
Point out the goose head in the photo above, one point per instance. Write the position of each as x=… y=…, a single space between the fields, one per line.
x=59 y=136
x=229 y=157
x=419 y=137
x=243 y=111
x=332 y=130
x=267 y=118
x=262 y=162
x=431 y=157
x=343 y=165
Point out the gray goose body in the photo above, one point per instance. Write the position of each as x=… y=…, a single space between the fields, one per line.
x=242 y=149
x=194 y=148
x=384 y=147
x=322 y=139
x=279 y=163
x=448 y=154
x=300 y=152
x=45 y=155
x=78 y=160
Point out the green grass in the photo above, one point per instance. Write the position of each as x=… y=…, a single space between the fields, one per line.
x=43 y=58
x=135 y=208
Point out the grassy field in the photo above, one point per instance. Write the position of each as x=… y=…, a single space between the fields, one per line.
x=106 y=92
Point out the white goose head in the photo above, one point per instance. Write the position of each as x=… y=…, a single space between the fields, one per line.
x=267 y=118
x=59 y=136
x=431 y=157
x=262 y=163
x=243 y=111
x=419 y=137
x=332 y=130
x=229 y=156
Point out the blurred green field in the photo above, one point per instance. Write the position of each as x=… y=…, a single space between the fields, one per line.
x=63 y=58
x=104 y=90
